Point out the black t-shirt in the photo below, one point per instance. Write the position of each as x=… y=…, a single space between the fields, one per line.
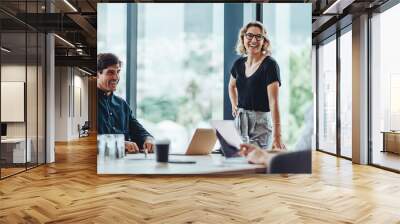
x=252 y=91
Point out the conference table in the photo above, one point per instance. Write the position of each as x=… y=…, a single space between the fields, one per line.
x=204 y=164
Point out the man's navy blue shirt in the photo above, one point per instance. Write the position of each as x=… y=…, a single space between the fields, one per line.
x=114 y=116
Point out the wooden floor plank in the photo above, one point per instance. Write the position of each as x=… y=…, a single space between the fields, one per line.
x=70 y=191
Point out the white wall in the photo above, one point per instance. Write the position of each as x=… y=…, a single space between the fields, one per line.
x=33 y=126
x=80 y=110
x=71 y=94
x=16 y=73
x=61 y=103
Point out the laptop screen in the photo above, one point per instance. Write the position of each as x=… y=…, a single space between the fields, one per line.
x=228 y=150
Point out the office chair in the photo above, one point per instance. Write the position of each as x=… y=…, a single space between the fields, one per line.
x=84 y=130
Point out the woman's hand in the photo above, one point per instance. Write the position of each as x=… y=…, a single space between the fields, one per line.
x=131 y=147
x=233 y=95
x=273 y=92
x=234 y=111
x=277 y=144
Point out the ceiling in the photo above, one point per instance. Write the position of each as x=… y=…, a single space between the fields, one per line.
x=75 y=43
x=332 y=15
x=76 y=22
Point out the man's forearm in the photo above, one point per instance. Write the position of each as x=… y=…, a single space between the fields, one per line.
x=137 y=132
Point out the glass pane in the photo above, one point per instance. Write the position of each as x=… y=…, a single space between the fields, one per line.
x=327 y=96
x=32 y=87
x=31 y=98
x=249 y=12
x=186 y=59
x=386 y=89
x=111 y=38
x=41 y=99
x=13 y=72
x=346 y=94
x=289 y=30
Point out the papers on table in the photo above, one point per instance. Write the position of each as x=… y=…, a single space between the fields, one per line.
x=227 y=129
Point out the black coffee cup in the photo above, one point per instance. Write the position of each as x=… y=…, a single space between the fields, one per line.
x=162 y=150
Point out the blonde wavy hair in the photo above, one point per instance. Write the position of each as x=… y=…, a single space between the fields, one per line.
x=241 y=50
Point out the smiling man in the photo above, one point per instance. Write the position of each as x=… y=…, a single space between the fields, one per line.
x=114 y=116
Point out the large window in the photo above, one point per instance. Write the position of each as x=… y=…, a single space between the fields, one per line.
x=289 y=30
x=327 y=96
x=111 y=37
x=177 y=77
x=249 y=12
x=346 y=94
x=385 y=84
x=180 y=68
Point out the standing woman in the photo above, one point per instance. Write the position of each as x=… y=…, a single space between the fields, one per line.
x=254 y=88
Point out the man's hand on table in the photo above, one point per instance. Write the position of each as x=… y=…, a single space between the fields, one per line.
x=131 y=147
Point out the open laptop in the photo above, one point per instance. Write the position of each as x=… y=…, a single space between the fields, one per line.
x=228 y=137
x=203 y=142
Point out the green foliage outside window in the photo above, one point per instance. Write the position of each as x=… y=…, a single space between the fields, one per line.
x=301 y=96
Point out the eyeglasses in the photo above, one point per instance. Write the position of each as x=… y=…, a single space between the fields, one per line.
x=249 y=36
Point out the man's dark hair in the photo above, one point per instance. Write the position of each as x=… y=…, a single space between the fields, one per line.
x=106 y=59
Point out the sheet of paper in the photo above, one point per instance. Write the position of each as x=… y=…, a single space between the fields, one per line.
x=228 y=131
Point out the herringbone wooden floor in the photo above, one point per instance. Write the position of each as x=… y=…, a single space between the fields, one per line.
x=70 y=191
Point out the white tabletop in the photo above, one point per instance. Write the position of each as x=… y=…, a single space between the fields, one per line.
x=208 y=164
